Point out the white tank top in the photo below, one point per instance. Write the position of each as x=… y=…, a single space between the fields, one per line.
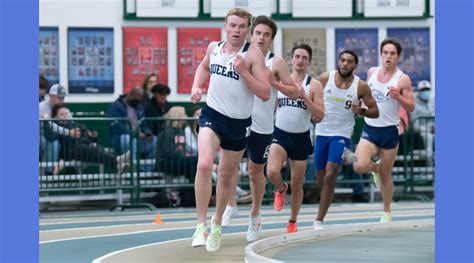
x=388 y=108
x=227 y=92
x=293 y=115
x=338 y=116
x=264 y=111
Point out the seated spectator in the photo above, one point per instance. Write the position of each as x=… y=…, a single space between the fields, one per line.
x=43 y=86
x=148 y=82
x=171 y=150
x=49 y=148
x=191 y=133
x=123 y=135
x=424 y=108
x=83 y=147
x=158 y=106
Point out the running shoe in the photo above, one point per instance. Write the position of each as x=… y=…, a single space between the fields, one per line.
x=279 y=202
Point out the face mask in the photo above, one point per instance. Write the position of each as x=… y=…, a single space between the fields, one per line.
x=133 y=102
x=424 y=95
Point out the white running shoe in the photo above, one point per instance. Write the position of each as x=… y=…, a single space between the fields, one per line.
x=213 y=242
x=348 y=156
x=317 y=225
x=386 y=217
x=255 y=228
x=229 y=213
x=200 y=235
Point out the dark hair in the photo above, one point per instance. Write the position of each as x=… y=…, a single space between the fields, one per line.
x=43 y=82
x=305 y=47
x=193 y=110
x=392 y=41
x=56 y=108
x=266 y=21
x=147 y=78
x=161 y=89
x=350 y=52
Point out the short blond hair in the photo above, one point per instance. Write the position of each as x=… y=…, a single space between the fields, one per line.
x=240 y=13
x=173 y=113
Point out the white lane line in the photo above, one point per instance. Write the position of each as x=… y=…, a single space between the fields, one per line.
x=182 y=228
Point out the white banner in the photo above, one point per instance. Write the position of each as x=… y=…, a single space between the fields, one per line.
x=167 y=8
x=394 y=8
x=322 y=8
x=219 y=8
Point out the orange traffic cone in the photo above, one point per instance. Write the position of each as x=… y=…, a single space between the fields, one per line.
x=158 y=219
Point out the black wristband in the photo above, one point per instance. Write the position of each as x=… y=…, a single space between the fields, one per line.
x=362 y=111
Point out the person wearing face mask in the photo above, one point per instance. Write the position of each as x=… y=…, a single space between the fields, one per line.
x=424 y=107
x=123 y=132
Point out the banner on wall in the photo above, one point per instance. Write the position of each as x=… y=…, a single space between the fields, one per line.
x=192 y=47
x=415 y=60
x=145 y=51
x=316 y=38
x=364 y=42
x=49 y=54
x=91 y=60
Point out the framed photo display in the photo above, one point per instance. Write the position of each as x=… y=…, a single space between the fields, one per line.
x=192 y=48
x=91 y=60
x=364 y=42
x=314 y=37
x=49 y=54
x=145 y=52
x=415 y=60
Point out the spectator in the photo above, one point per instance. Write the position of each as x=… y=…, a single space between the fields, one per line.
x=424 y=108
x=191 y=133
x=171 y=154
x=43 y=86
x=148 y=82
x=158 y=106
x=83 y=147
x=49 y=148
x=123 y=134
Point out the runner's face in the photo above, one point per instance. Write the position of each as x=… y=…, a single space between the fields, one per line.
x=389 y=55
x=236 y=29
x=262 y=37
x=346 y=65
x=300 y=60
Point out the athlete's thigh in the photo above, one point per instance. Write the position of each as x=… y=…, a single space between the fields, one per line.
x=387 y=159
x=298 y=169
x=276 y=156
x=229 y=162
x=208 y=142
x=365 y=150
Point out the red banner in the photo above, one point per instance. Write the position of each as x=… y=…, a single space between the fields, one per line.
x=192 y=47
x=145 y=51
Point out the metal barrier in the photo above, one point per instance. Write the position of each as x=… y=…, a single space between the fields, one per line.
x=414 y=168
x=91 y=169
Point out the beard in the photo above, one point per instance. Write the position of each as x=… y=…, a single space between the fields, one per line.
x=344 y=75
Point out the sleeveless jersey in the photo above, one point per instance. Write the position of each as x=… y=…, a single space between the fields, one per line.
x=338 y=116
x=388 y=108
x=227 y=92
x=293 y=115
x=263 y=111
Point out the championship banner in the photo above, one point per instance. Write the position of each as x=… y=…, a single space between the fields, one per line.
x=145 y=51
x=192 y=47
